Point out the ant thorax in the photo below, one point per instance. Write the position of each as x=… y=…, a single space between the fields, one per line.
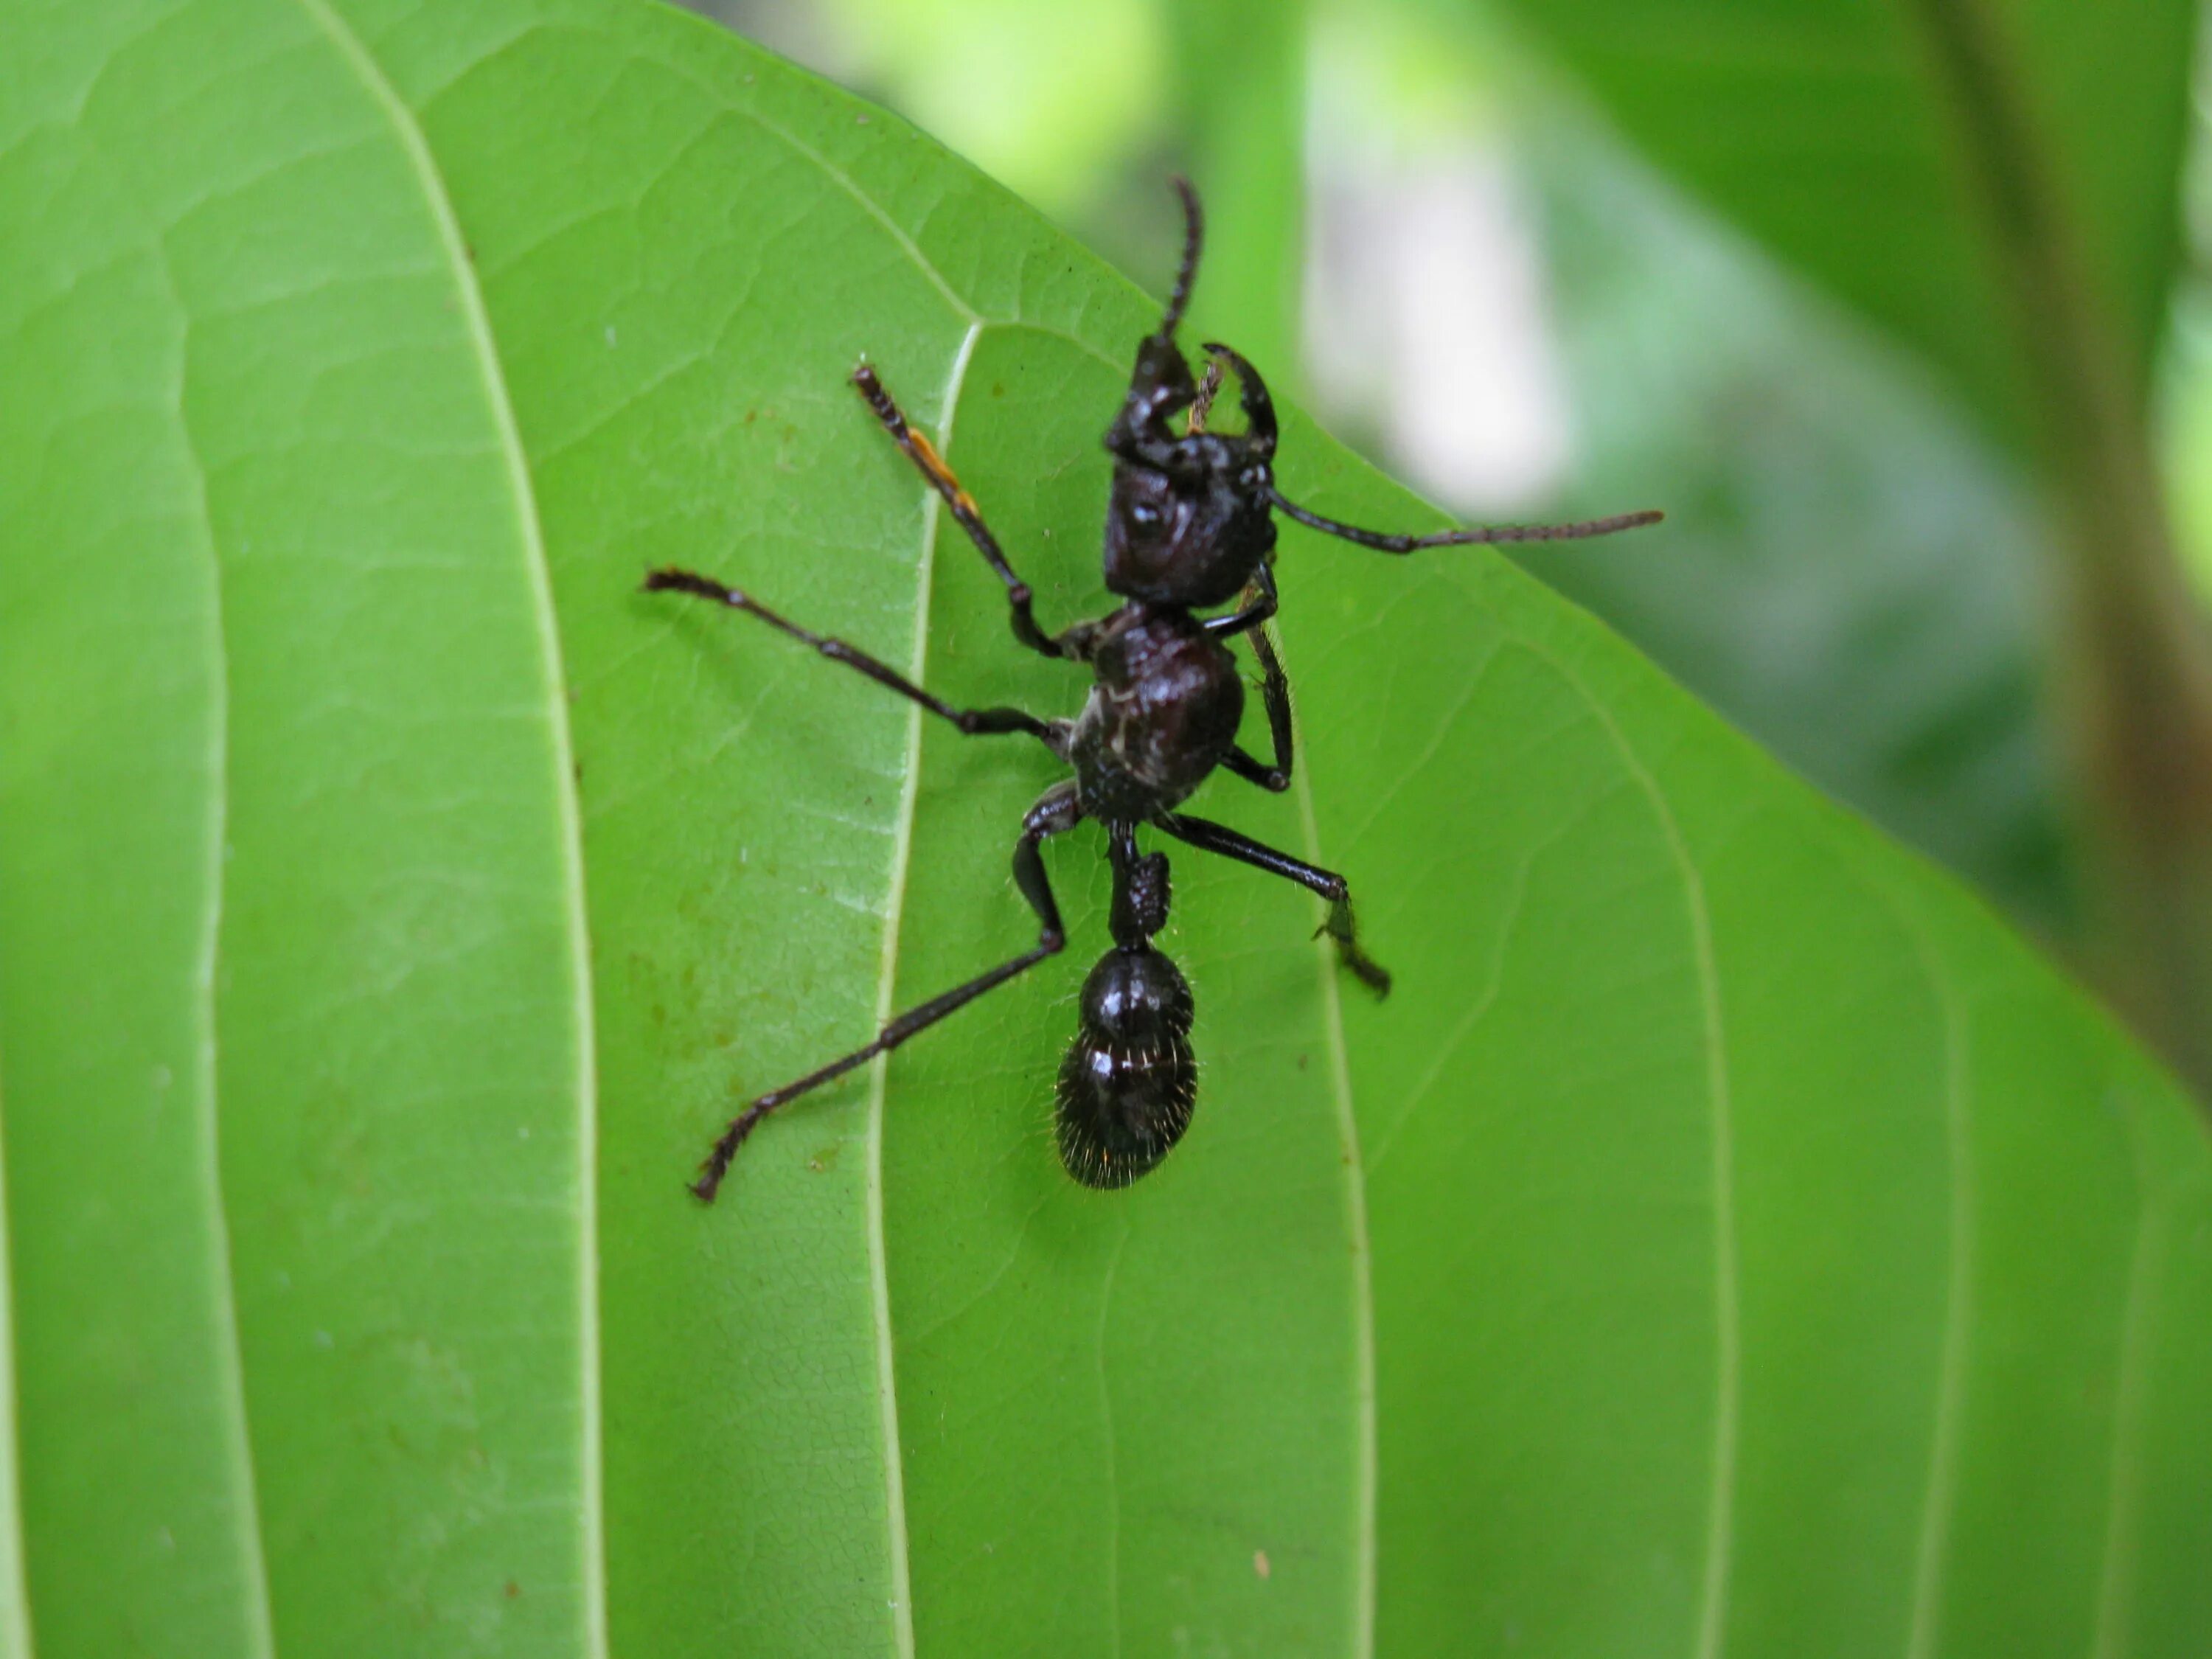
x=1162 y=713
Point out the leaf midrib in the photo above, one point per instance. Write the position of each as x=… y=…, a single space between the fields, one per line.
x=1365 y=1453
x=879 y=1301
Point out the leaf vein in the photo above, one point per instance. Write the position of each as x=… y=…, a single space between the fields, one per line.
x=253 y=1546
x=1364 y=1452
x=1713 y=1628
x=408 y=131
x=886 y=991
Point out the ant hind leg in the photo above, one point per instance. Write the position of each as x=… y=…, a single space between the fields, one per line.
x=1056 y=812
x=1211 y=837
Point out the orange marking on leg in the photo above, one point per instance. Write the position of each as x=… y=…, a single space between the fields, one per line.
x=941 y=475
x=932 y=462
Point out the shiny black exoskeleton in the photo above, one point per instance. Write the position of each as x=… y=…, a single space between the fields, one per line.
x=1129 y=1081
x=1189 y=528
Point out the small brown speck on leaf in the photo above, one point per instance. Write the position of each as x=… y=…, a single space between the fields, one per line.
x=1259 y=1564
x=514 y=1589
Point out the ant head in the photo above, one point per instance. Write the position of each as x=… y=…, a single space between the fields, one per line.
x=1129 y=1081
x=1188 y=520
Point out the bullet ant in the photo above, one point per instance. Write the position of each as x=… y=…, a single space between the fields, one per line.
x=1189 y=528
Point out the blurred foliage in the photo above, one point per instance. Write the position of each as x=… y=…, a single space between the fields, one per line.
x=1849 y=579
x=1053 y=96
x=2185 y=402
x=1996 y=189
x=1240 y=81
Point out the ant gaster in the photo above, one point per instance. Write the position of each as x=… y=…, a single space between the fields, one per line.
x=1189 y=528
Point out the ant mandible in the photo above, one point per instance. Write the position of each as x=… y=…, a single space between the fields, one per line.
x=1189 y=528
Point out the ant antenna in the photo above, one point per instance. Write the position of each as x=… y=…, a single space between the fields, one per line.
x=1194 y=235
x=1499 y=532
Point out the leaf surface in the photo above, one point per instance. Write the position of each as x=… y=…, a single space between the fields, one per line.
x=1720 y=1197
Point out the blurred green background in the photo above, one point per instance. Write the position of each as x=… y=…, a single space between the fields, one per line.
x=1570 y=259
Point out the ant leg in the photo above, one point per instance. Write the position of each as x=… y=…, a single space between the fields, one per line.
x=973 y=721
x=1250 y=768
x=1275 y=691
x=931 y=466
x=1057 y=810
x=1258 y=605
x=1274 y=684
x=1211 y=837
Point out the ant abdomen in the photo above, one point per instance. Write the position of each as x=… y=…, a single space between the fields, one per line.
x=1129 y=1081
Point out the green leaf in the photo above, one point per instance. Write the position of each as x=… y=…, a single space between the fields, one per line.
x=1997 y=185
x=1725 y=1236
x=1994 y=184
x=1240 y=92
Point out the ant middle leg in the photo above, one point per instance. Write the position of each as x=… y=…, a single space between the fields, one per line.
x=974 y=721
x=1057 y=810
x=1256 y=608
x=1211 y=837
x=932 y=467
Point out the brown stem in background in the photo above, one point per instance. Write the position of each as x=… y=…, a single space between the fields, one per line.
x=2136 y=664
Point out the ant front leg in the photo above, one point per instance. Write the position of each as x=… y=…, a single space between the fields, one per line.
x=1211 y=837
x=974 y=721
x=931 y=466
x=1275 y=683
x=1056 y=812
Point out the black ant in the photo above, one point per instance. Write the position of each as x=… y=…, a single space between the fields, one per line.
x=1189 y=528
